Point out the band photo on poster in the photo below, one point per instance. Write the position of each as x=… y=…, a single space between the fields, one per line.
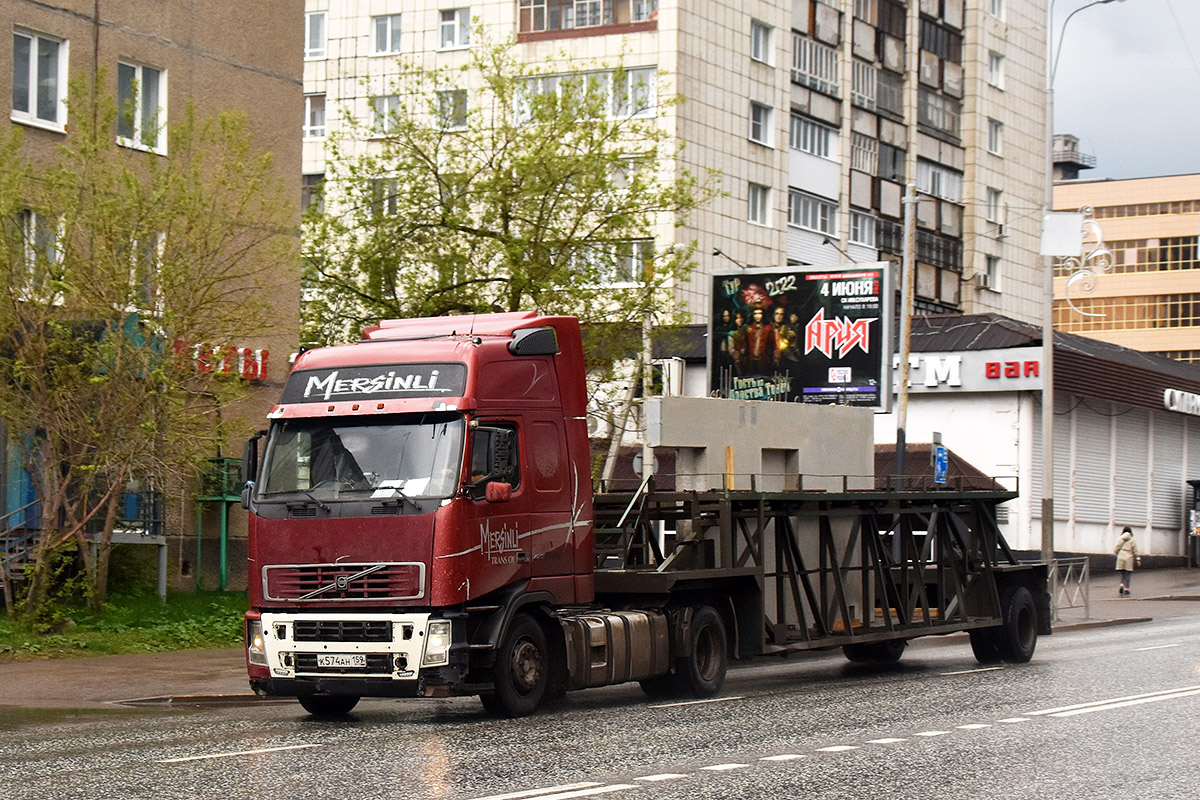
x=803 y=334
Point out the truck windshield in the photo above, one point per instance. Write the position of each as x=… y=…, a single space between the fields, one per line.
x=376 y=457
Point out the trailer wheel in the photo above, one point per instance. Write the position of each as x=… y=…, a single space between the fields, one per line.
x=1017 y=637
x=328 y=705
x=984 y=646
x=522 y=670
x=885 y=652
x=702 y=674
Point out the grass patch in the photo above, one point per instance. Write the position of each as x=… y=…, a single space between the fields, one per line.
x=139 y=623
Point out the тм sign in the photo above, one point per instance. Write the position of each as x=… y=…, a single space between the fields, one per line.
x=1009 y=370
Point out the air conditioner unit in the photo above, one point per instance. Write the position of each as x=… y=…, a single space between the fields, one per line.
x=982 y=280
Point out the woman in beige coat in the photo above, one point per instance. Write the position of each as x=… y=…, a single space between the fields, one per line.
x=1127 y=557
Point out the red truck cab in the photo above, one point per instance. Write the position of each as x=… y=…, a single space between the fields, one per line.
x=416 y=489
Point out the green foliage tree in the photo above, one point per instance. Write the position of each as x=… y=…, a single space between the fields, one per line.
x=503 y=186
x=114 y=260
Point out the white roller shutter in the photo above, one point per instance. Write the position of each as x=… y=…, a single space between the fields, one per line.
x=1093 y=472
x=1169 y=488
x=1133 y=466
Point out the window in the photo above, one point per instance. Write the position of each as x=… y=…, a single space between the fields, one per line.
x=141 y=121
x=387 y=33
x=863 y=84
x=554 y=15
x=40 y=234
x=760 y=41
x=995 y=69
x=939 y=112
x=994 y=132
x=385 y=110
x=939 y=181
x=889 y=92
x=312 y=192
x=864 y=153
x=620 y=264
x=760 y=123
x=815 y=65
x=314 y=35
x=992 y=209
x=39 y=79
x=996 y=8
x=813 y=213
x=992 y=275
x=636 y=96
x=862 y=229
x=452 y=108
x=455 y=29
x=314 y=116
x=758 y=198
x=494 y=457
x=865 y=10
x=891 y=163
x=810 y=137
x=384 y=196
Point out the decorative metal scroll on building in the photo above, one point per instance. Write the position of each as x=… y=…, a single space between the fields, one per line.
x=1083 y=270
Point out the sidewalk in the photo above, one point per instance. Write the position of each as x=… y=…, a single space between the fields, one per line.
x=214 y=676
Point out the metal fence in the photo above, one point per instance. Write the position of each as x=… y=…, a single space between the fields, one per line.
x=1069 y=583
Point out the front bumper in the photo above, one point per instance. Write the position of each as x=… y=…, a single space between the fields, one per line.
x=376 y=655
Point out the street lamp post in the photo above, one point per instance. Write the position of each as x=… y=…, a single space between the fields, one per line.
x=1052 y=55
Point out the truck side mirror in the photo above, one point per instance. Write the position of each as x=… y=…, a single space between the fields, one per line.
x=497 y=492
x=250 y=466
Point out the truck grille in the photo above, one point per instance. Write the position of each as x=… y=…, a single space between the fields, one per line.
x=311 y=630
x=377 y=663
x=344 y=582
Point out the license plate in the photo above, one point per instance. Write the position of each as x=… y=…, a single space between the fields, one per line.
x=341 y=660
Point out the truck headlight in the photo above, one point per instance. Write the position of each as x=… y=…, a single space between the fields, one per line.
x=256 y=650
x=437 y=643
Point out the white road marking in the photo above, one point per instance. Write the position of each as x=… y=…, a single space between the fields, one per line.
x=698 y=702
x=837 y=748
x=1165 y=694
x=559 y=794
x=665 y=776
x=889 y=740
x=1013 y=720
x=972 y=671
x=931 y=733
x=1157 y=647
x=725 y=767
x=1126 y=703
x=236 y=753
x=782 y=757
x=973 y=726
x=536 y=792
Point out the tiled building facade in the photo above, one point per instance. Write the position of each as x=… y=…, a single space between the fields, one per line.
x=815 y=112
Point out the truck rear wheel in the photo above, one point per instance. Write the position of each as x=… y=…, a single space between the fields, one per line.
x=522 y=670
x=1017 y=637
x=983 y=645
x=328 y=705
x=702 y=674
x=885 y=652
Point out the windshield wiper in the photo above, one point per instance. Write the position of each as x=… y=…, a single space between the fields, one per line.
x=321 y=504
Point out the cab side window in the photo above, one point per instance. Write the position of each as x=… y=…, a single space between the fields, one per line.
x=494 y=456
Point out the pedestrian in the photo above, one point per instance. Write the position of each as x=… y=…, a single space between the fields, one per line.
x=1127 y=558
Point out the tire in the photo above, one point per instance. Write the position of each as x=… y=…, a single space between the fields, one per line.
x=888 y=651
x=983 y=645
x=522 y=670
x=328 y=706
x=659 y=687
x=702 y=673
x=1016 y=638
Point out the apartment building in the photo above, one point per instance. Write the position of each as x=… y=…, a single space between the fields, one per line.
x=1149 y=297
x=160 y=57
x=817 y=113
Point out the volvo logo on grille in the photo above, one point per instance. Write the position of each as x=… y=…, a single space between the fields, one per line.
x=342 y=581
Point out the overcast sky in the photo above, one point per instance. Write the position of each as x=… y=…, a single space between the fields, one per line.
x=1128 y=85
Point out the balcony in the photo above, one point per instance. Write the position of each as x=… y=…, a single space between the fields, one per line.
x=815 y=65
x=555 y=19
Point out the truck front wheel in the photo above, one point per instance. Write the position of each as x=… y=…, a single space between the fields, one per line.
x=328 y=705
x=522 y=670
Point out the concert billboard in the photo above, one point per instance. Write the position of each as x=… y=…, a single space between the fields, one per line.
x=803 y=334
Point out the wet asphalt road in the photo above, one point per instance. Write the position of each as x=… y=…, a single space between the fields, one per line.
x=937 y=725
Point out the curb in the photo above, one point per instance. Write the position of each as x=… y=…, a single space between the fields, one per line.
x=1100 y=623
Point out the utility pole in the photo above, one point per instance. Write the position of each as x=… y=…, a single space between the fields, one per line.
x=907 y=281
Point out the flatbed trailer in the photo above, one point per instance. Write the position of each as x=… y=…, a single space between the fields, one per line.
x=812 y=570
